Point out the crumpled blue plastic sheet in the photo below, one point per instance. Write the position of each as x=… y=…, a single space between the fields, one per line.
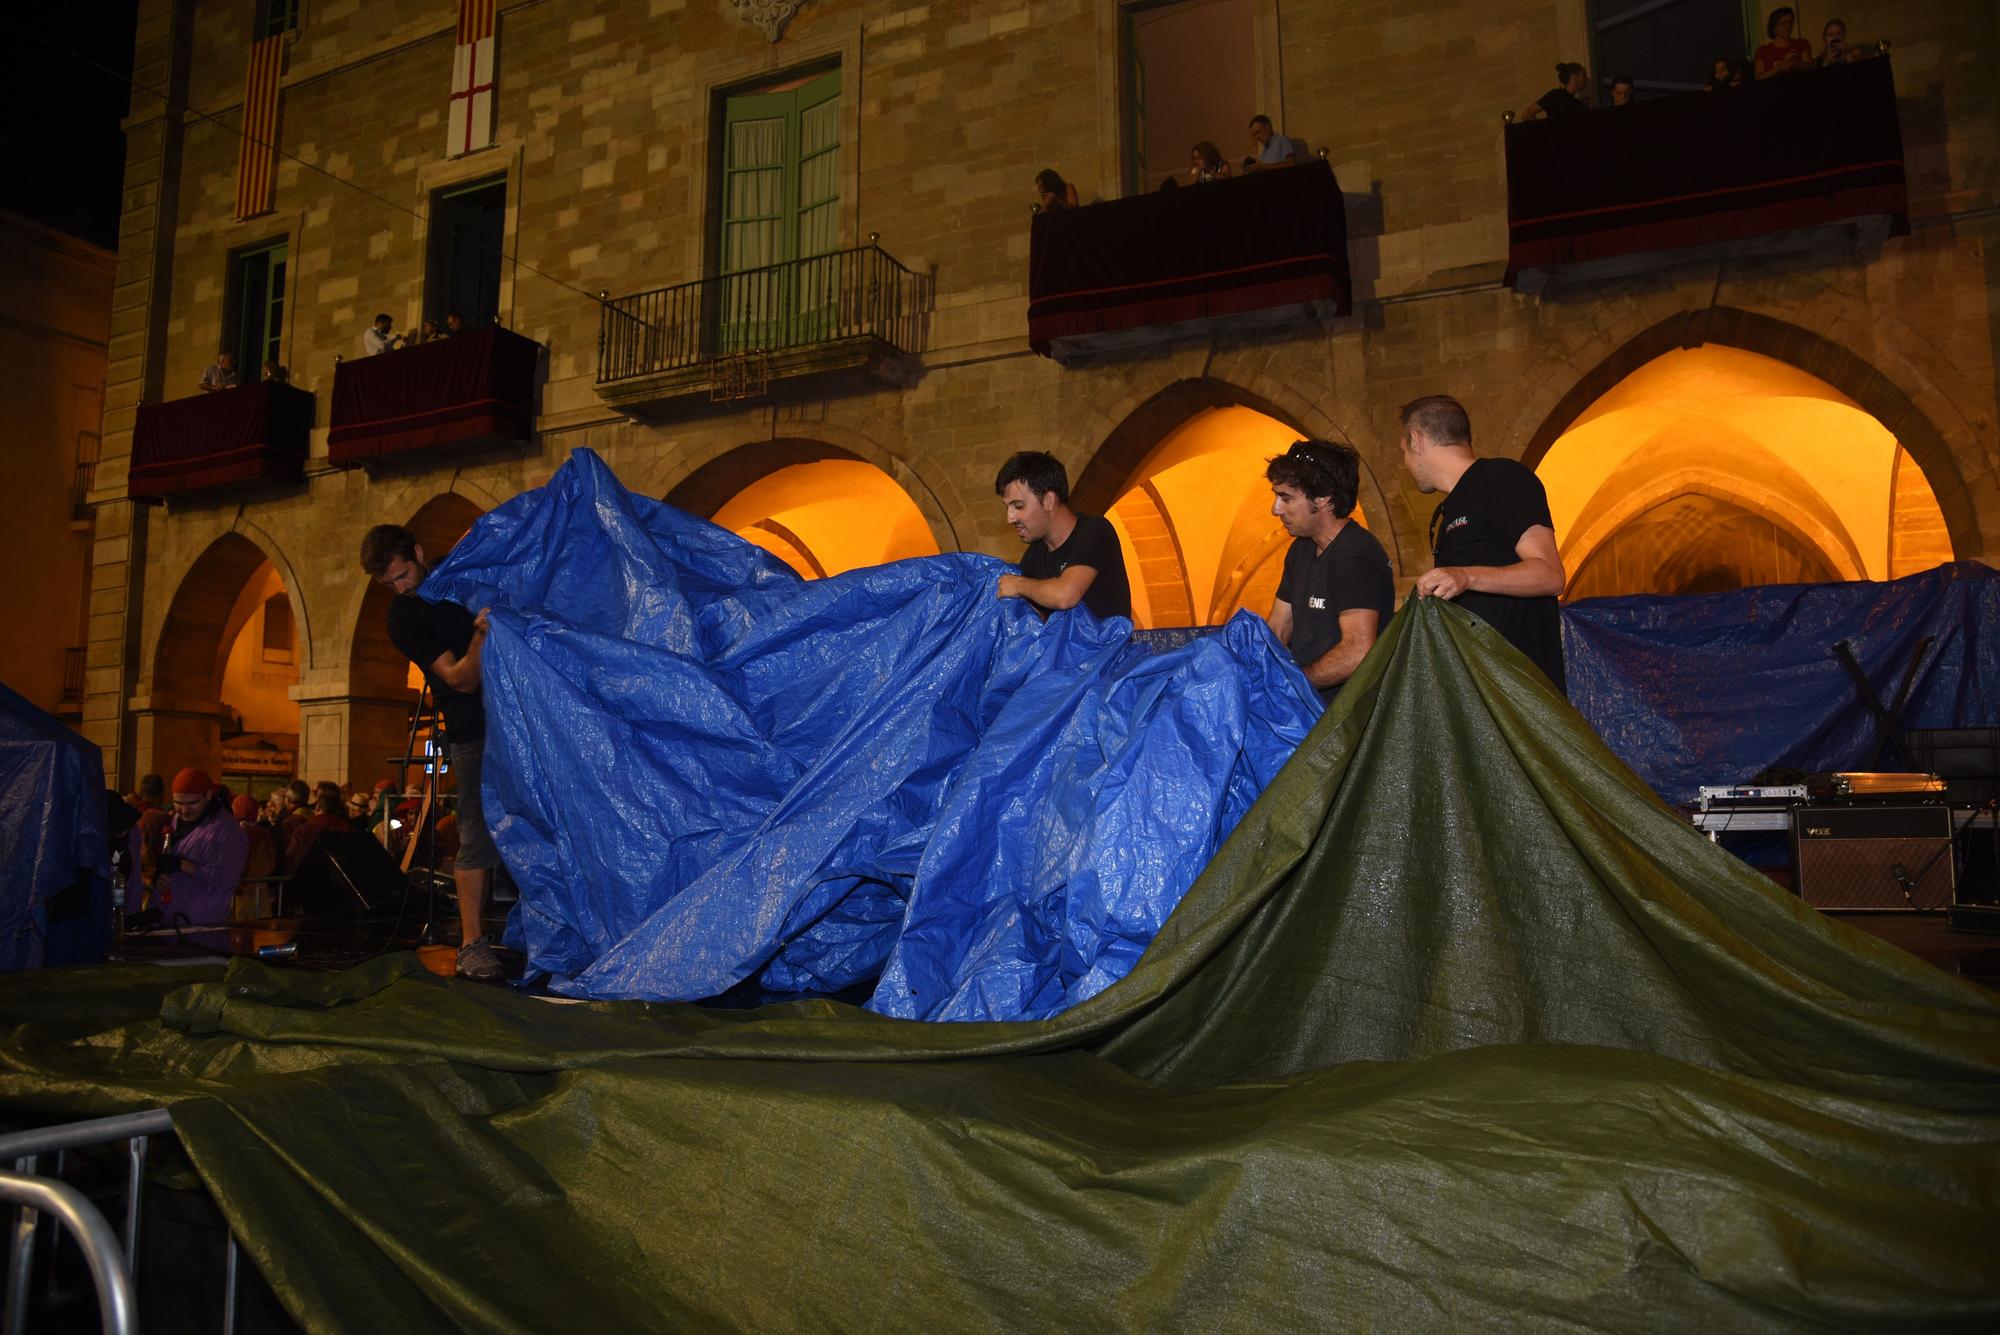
x=1712 y=688
x=708 y=774
x=51 y=836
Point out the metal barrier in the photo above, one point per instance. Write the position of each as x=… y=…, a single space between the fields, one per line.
x=109 y=1258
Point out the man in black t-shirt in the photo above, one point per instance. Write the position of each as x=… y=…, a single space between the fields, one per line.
x=444 y=640
x=1337 y=591
x=1071 y=558
x=1492 y=540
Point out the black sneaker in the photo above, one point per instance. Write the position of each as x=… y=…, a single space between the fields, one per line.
x=478 y=961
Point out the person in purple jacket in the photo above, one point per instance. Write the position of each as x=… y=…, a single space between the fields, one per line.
x=203 y=857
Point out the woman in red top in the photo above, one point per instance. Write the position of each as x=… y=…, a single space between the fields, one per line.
x=1784 y=52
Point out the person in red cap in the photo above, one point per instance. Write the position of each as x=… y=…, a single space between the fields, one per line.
x=198 y=869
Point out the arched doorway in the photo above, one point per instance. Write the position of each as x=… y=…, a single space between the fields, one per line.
x=1715 y=467
x=1182 y=481
x=814 y=506
x=382 y=685
x=223 y=671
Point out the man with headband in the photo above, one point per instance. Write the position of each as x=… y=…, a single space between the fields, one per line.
x=1337 y=592
x=1492 y=540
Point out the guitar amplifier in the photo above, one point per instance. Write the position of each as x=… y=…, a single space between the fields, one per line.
x=1872 y=857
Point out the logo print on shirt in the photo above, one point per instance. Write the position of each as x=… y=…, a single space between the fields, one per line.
x=1316 y=604
x=1462 y=519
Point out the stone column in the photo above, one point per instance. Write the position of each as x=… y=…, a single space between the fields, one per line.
x=136 y=369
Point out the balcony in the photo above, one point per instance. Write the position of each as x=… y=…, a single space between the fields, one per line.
x=231 y=437
x=1778 y=165
x=473 y=390
x=1265 y=249
x=847 y=322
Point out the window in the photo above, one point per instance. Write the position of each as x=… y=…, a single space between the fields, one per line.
x=467 y=235
x=1667 y=46
x=276 y=16
x=780 y=202
x=277 y=629
x=256 y=317
x=1190 y=76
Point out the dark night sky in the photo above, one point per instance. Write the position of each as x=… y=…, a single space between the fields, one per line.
x=62 y=154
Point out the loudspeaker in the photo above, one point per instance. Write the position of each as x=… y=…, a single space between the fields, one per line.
x=345 y=874
x=1867 y=857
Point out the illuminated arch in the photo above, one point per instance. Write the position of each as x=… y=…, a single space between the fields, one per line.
x=203 y=616
x=814 y=505
x=1180 y=476
x=704 y=480
x=1755 y=436
x=1845 y=371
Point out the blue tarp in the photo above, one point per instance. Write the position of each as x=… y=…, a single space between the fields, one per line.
x=51 y=838
x=1713 y=688
x=709 y=775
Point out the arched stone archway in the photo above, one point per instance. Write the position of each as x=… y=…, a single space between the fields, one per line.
x=180 y=718
x=1808 y=351
x=1178 y=575
x=800 y=499
x=706 y=479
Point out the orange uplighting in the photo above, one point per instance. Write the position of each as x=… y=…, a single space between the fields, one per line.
x=1712 y=468
x=1196 y=525
x=828 y=517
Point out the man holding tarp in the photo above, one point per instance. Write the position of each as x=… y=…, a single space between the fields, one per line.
x=1336 y=593
x=1071 y=558
x=443 y=638
x=1493 y=544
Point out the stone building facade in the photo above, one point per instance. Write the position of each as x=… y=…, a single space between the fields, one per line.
x=606 y=111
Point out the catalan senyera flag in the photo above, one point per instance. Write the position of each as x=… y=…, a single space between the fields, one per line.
x=257 y=154
x=471 y=121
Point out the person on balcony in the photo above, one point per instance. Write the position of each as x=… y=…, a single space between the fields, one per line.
x=1205 y=164
x=1053 y=192
x=1273 y=149
x=1071 y=558
x=1493 y=544
x=444 y=640
x=376 y=338
x=1621 y=90
x=1729 y=73
x=277 y=373
x=1337 y=591
x=222 y=374
x=1570 y=95
x=427 y=332
x=1784 y=53
x=454 y=323
x=1834 y=47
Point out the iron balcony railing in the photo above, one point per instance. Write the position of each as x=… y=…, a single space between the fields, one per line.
x=857 y=293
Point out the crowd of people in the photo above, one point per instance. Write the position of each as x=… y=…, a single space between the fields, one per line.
x=199 y=855
x=1784 y=53
x=1268 y=149
x=380 y=335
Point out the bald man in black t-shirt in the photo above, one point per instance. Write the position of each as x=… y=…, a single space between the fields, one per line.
x=1493 y=541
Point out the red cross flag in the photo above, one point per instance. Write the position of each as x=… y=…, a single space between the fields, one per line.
x=471 y=120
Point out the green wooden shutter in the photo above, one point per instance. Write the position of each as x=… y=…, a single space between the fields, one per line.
x=780 y=202
x=259 y=281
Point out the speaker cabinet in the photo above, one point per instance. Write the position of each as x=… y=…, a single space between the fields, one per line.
x=345 y=874
x=1872 y=857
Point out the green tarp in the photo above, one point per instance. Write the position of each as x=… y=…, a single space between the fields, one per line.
x=1461 y=1028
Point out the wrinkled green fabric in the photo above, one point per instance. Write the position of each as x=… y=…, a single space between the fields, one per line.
x=1462 y=1027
